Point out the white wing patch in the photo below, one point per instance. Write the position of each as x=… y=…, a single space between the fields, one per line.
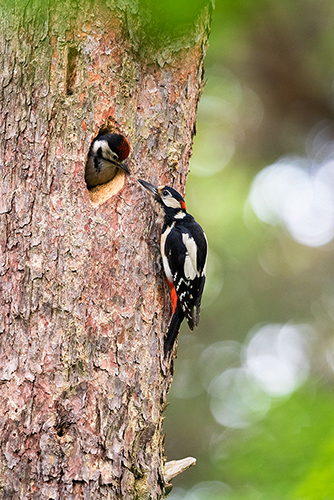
x=190 y=262
x=164 y=236
x=204 y=268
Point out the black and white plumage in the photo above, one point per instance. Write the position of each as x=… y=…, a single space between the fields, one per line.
x=184 y=254
x=105 y=157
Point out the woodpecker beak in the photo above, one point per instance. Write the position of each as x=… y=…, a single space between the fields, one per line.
x=124 y=167
x=150 y=187
x=119 y=164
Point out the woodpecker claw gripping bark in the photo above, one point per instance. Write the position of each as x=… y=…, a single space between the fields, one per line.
x=105 y=157
x=184 y=253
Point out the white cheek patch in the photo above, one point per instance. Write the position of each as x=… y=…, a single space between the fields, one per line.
x=191 y=258
x=97 y=145
x=107 y=153
x=171 y=202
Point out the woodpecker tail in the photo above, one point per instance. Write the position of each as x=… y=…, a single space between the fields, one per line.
x=173 y=329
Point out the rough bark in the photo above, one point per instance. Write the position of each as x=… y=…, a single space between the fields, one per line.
x=84 y=306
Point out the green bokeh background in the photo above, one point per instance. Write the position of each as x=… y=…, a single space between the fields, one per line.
x=269 y=93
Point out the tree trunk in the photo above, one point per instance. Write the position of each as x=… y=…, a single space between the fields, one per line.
x=84 y=305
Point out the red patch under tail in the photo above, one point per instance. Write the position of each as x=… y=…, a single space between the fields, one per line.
x=172 y=294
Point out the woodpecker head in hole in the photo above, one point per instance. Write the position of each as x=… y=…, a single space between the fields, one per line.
x=166 y=196
x=106 y=154
x=113 y=143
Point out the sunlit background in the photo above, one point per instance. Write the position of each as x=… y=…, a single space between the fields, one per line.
x=253 y=396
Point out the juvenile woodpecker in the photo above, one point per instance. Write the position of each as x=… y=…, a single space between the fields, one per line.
x=105 y=156
x=184 y=253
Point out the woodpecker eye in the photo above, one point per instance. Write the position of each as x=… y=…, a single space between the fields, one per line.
x=165 y=192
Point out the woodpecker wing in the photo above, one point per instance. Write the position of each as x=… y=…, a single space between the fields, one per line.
x=184 y=256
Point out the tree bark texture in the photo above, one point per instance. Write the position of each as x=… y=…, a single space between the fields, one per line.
x=84 y=305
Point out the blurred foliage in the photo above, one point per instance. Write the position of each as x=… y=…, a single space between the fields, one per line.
x=274 y=454
x=269 y=94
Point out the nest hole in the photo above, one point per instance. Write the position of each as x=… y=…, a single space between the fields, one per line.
x=102 y=192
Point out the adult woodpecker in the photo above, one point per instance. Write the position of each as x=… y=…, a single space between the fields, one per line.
x=105 y=157
x=184 y=253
